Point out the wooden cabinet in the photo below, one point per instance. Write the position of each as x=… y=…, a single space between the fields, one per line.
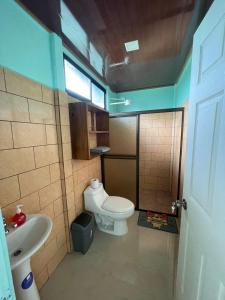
x=89 y=128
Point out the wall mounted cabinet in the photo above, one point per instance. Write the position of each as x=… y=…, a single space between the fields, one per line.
x=89 y=127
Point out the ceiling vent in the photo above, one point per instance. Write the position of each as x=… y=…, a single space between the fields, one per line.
x=132 y=46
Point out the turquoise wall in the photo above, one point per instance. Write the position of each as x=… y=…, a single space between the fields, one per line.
x=25 y=45
x=30 y=50
x=147 y=99
x=158 y=98
x=182 y=87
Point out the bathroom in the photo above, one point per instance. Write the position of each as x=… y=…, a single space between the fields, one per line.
x=105 y=191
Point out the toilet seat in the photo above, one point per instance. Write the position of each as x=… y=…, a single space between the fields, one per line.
x=117 y=204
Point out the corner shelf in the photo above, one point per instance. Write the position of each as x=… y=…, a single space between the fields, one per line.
x=87 y=123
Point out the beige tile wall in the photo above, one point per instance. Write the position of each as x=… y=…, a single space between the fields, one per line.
x=36 y=166
x=29 y=162
x=159 y=157
x=77 y=173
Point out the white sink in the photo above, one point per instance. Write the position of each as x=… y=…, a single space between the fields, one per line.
x=22 y=243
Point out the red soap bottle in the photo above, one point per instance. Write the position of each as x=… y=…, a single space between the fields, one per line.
x=19 y=218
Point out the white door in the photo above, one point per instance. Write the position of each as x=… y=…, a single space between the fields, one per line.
x=201 y=263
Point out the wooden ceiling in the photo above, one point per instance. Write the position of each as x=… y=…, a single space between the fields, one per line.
x=163 y=28
x=160 y=27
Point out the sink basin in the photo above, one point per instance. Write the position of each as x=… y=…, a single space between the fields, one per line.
x=27 y=239
x=22 y=243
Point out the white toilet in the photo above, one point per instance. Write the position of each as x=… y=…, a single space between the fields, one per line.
x=111 y=213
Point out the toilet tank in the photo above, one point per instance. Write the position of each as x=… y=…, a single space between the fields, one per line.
x=94 y=198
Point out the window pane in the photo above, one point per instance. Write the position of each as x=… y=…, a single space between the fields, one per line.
x=72 y=29
x=96 y=59
x=98 y=96
x=76 y=81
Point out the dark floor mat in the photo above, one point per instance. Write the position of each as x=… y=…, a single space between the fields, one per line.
x=157 y=221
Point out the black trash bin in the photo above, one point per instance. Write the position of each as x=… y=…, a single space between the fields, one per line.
x=82 y=231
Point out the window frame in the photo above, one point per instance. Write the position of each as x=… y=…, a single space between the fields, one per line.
x=92 y=81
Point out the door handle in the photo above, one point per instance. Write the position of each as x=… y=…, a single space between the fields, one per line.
x=178 y=203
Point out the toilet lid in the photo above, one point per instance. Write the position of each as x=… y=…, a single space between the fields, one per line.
x=117 y=204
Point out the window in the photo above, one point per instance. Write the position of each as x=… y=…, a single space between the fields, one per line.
x=96 y=59
x=80 y=85
x=97 y=96
x=78 y=37
x=72 y=29
x=77 y=82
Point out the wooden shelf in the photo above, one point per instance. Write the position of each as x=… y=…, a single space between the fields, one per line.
x=82 y=132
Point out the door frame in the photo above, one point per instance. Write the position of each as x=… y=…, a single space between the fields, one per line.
x=137 y=156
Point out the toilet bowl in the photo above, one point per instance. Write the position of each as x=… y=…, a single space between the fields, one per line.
x=111 y=212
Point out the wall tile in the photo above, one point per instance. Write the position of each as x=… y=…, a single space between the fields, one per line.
x=16 y=161
x=65 y=129
x=165 y=131
x=40 y=136
x=9 y=190
x=48 y=211
x=59 y=222
x=6 y=141
x=56 y=259
x=48 y=95
x=58 y=206
x=13 y=108
x=34 y=180
x=41 y=278
x=2 y=80
x=50 y=193
x=55 y=172
x=27 y=134
x=41 y=112
x=22 y=86
x=61 y=237
x=70 y=200
x=41 y=258
x=64 y=113
x=158 y=123
x=30 y=205
x=68 y=168
x=67 y=152
x=45 y=155
x=63 y=98
x=69 y=184
x=51 y=134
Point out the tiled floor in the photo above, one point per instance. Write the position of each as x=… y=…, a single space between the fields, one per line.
x=137 y=266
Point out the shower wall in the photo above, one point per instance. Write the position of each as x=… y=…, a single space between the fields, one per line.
x=159 y=160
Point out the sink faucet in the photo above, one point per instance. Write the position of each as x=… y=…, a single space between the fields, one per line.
x=5 y=225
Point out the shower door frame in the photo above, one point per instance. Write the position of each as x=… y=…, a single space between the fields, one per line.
x=124 y=156
x=137 y=156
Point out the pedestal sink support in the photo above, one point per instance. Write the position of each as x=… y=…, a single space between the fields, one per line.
x=24 y=283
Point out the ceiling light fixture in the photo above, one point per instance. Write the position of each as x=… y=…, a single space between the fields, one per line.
x=132 y=46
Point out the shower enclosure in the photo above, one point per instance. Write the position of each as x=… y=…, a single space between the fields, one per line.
x=145 y=158
x=159 y=154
